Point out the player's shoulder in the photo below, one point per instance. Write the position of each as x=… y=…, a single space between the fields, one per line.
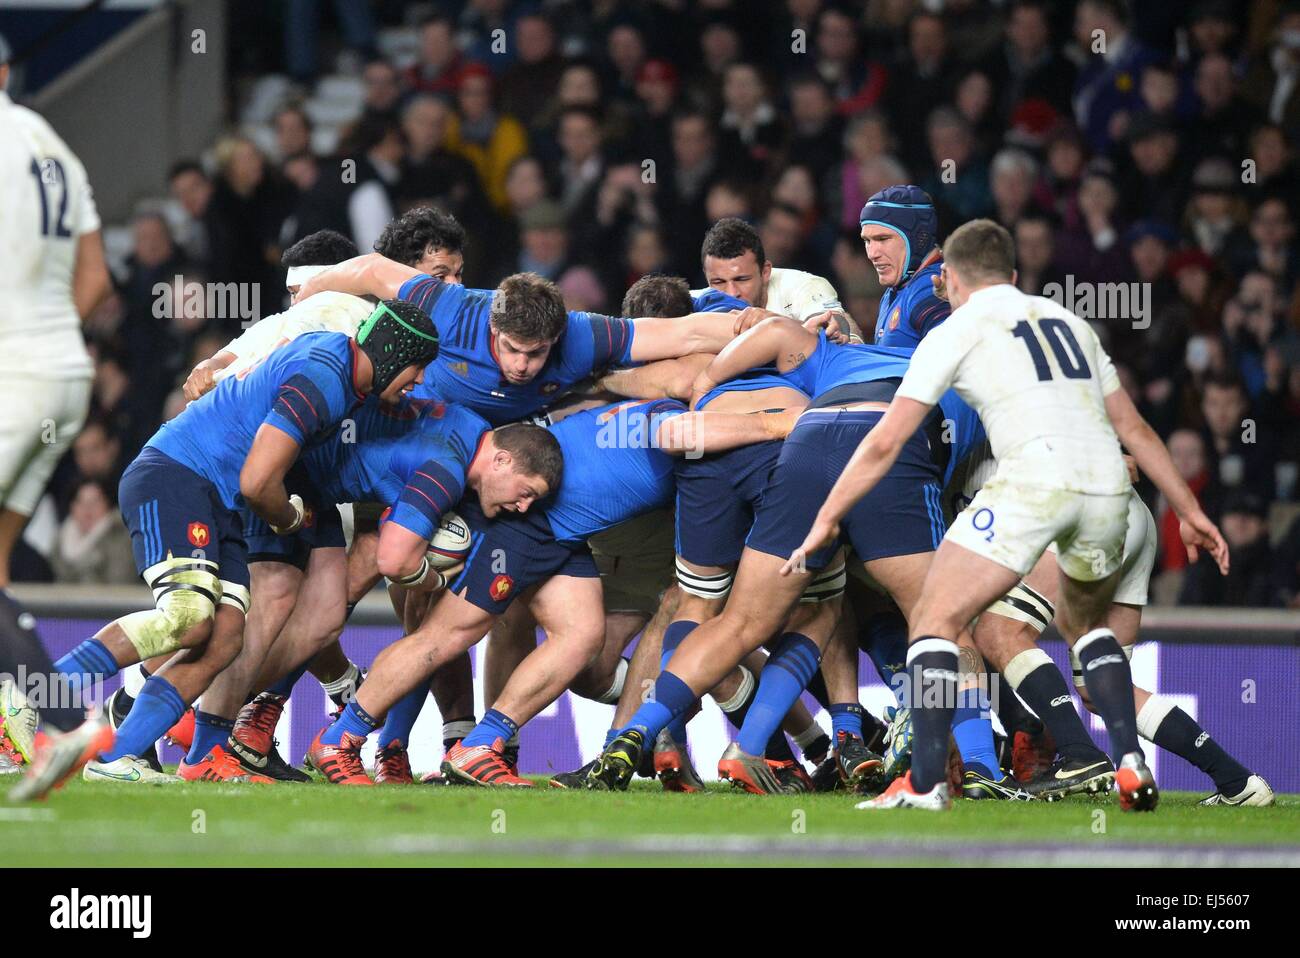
x=37 y=129
x=798 y=293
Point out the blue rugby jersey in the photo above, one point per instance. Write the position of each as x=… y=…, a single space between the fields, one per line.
x=910 y=311
x=305 y=388
x=413 y=458
x=612 y=472
x=466 y=370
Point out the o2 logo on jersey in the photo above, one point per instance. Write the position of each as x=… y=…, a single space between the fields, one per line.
x=501 y=587
x=198 y=534
x=984 y=516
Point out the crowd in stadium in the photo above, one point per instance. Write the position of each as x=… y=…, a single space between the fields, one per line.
x=594 y=143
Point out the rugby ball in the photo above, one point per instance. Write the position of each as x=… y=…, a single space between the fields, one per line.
x=450 y=544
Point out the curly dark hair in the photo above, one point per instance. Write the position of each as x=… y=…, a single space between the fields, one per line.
x=407 y=238
x=322 y=248
x=529 y=308
x=731 y=237
x=658 y=295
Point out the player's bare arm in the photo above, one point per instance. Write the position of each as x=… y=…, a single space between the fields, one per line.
x=871 y=460
x=660 y=337
x=777 y=340
x=1196 y=529
x=261 y=480
x=701 y=433
x=367 y=275
x=91 y=283
x=665 y=379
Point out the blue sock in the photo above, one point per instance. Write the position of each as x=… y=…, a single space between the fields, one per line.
x=673 y=636
x=285 y=685
x=846 y=717
x=495 y=725
x=157 y=708
x=673 y=697
x=787 y=672
x=401 y=717
x=88 y=663
x=610 y=735
x=884 y=636
x=209 y=731
x=972 y=727
x=353 y=719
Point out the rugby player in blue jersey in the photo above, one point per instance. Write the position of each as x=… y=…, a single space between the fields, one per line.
x=616 y=466
x=894 y=536
x=181 y=500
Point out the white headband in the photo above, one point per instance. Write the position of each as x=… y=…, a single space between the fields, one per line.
x=298 y=275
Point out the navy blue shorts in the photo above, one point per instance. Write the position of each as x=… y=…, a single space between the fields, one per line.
x=716 y=500
x=322 y=527
x=902 y=515
x=512 y=553
x=173 y=512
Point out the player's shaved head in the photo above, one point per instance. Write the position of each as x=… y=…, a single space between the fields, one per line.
x=658 y=295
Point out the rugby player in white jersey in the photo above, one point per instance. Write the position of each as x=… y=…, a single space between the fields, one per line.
x=1055 y=414
x=52 y=275
x=735 y=264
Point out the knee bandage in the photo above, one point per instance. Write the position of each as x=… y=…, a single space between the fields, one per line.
x=826 y=585
x=1025 y=605
x=704 y=585
x=185 y=593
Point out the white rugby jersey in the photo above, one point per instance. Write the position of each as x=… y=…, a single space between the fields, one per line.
x=794 y=293
x=45 y=205
x=324 y=312
x=1037 y=376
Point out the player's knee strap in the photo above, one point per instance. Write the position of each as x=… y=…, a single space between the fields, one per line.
x=704 y=585
x=185 y=592
x=1077 y=667
x=1152 y=714
x=1025 y=605
x=235 y=595
x=1021 y=665
x=742 y=694
x=826 y=585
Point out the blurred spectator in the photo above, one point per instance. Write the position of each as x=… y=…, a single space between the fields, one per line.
x=625 y=48
x=1239 y=454
x=322 y=200
x=1274 y=161
x=543 y=240
x=244 y=215
x=685 y=184
x=481 y=32
x=857 y=82
x=377 y=147
x=489 y=140
x=867 y=139
x=1225 y=119
x=958 y=177
x=382 y=87
x=925 y=76
x=1155 y=181
x=1036 y=253
x=1187 y=450
x=292 y=132
x=192 y=189
x=439 y=64
x=529 y=83
x=751 y=130
x=433 y=175
x=1249 y=581
x=1106 y=91
x=1027 y=66
x=1012 y=177
x=93 y=545
x=816 y=131
x=1273 y=82
x=302 y=28
x=1091 y=250
x=1216 y=212
x=657 y=94
x=97 y=453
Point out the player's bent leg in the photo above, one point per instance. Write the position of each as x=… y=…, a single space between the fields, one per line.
x=757 y=607
x=450 y=627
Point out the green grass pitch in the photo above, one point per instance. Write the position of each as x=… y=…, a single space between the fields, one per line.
x=420 y=825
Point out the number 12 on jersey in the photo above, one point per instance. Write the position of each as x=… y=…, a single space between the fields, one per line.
x=1059 y=336
x=50 y=173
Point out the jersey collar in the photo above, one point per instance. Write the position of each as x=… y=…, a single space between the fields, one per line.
x=355 y=366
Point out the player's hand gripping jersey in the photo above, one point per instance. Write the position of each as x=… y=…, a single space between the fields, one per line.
x=1037 y=377
x=466 y=370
